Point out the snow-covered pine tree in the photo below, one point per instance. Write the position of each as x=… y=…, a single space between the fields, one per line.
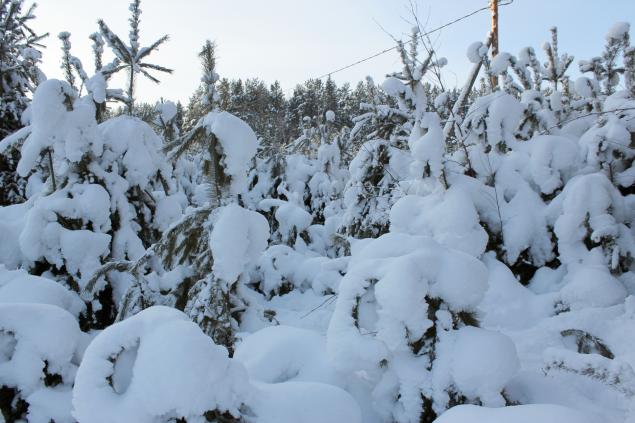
x=106 y=192
x=276 y=130
x=201 y=261
x=504 y=123
x=104 y=188
x=19 y=75
x=375 y=304
x=608 y=145
x=386 y=132
x=166 y=120
x=326 y=186
x=132 y=56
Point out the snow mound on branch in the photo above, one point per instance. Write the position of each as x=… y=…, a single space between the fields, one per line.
x=238 y=239
x=552 y=162
x=167 y=111
x=156 y=364
x=500 y=63
x=134 y=144
x=19 y=287
x=239 y=144
x=97 y=86
x=530 y=413
x=49 y=113
x=585 y=86
x=12 y=221
x=484 y=362
x=427 y=143
x=592 y=286
x=618 y=31
x=449 y=217
x=78 y=250
x=282 y=353
x=476 y=51
x=305 y=402
x=282 y=264
x=168 y=211
x=59 y=123
x=290 y=217
x=393 y=86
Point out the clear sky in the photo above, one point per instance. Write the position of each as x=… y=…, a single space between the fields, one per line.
x=293 y=40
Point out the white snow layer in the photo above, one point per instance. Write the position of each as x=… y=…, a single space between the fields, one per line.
x=154 y=365
x=239 y=145
x=237 y=240
x=531 y=413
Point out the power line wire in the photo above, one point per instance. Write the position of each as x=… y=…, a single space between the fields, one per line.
x=365 y=59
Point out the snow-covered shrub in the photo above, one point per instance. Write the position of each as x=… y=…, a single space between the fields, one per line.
x=228 y=146
x=373 y=188
x=383 y=163
x=157 y=366
x=327 y=184
x=200 y=259
x=102 y=193
x=397 y=311
x=236 y=241
x=281 y=269
x=591 y=221
x=38 y=361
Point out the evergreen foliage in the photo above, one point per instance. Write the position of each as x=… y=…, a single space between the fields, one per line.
x=19 y=75
x=369 y=253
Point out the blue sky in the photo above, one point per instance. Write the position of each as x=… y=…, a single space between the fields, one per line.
x=293 y=40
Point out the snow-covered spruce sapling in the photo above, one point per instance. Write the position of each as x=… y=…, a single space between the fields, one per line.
x=407 y=122
x=379 y=135
x=111 y=185
x=605 y=68
x=405 y=318
x=608 y=144
x=326 y=186
x=181 y=269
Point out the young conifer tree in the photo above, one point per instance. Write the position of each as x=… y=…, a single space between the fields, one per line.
x=19 y=75
x=132 y=56
x=187 y=256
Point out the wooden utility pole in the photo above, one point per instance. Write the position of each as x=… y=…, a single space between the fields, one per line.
x=493 y=4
